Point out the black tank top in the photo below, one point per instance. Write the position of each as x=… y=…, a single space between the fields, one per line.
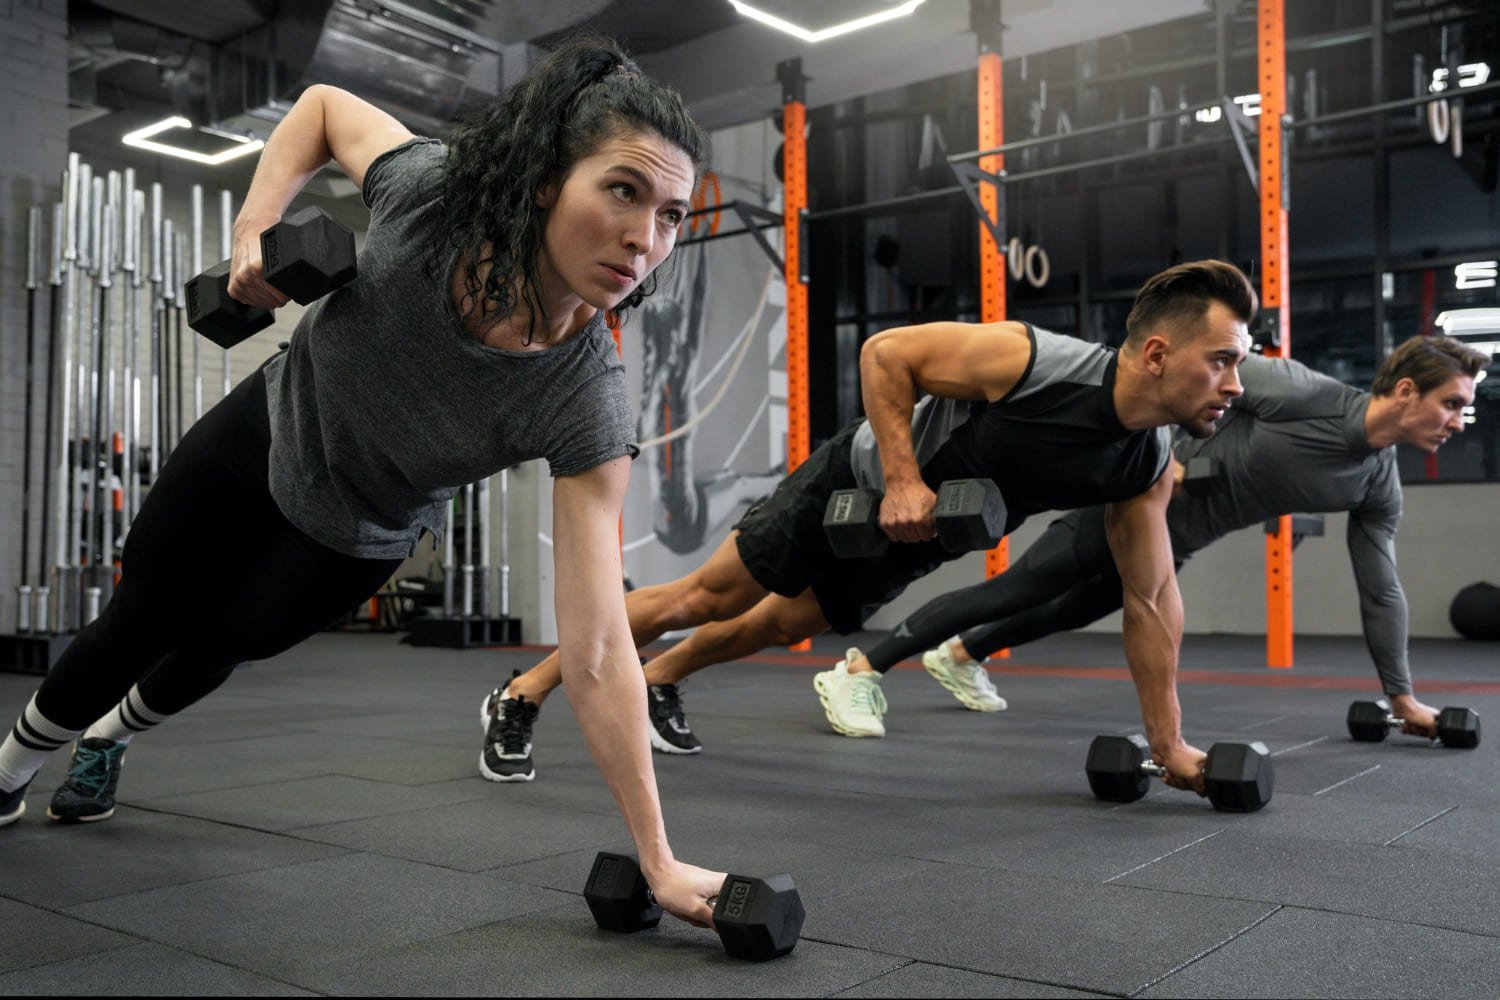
x=1054 y=442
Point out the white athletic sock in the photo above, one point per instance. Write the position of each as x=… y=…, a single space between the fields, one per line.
x=129 y=717
x=26 y=749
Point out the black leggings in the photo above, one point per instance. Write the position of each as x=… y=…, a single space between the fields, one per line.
x=213 y=575
x=1065 y=580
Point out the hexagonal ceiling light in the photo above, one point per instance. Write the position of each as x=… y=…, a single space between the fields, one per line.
x=757 y=12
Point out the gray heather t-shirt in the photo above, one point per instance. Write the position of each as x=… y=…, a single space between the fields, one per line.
x=383 y=407
x=1295 y=441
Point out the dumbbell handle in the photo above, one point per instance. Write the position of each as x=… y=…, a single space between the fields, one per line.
x=1154 y=769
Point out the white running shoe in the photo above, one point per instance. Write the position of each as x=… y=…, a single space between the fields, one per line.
x=966 y=679
x=853 y=703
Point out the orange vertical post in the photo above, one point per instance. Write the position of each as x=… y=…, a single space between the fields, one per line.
x=992 y=274
x=984 y=17
x=794 y=209
x=1275 y=291
x=794 y=198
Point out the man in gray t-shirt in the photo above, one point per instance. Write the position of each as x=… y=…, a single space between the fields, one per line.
x=1295 y=441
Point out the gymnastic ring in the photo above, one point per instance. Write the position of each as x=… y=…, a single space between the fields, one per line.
x=1038 y=267
x=1015 y=256
x=1437 y=120
x=1456 y=130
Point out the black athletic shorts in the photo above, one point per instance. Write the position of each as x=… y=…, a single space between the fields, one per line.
x=781 y=543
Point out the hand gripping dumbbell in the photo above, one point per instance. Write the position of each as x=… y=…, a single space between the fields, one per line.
x=757 y=919
x=306 y=255
x=1369 y=721
x=970 y=515
x=1238 y=776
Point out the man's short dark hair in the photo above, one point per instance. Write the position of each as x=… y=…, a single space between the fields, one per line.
x=1179 y=296
x=1429 y=362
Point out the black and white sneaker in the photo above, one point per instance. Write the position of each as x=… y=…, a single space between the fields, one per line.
x=507 y=737
x=13 y=805
x=669 y=728
x=88 y=795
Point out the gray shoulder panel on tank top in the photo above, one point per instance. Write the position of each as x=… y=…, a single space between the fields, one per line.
x=1057 y=358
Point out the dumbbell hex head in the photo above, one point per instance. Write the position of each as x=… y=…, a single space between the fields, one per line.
x=1238 y=776
x=1114 y=767
x=851 y=522
x=221 y=319
x=307 y=255
x=970 y=515
x=758 y=918
x=1458 y=727
x=1368 y=721
x=618 y=896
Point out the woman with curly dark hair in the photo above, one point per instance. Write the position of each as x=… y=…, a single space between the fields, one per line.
x=473 y=339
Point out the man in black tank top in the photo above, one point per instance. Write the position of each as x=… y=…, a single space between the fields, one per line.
x=1057 y=423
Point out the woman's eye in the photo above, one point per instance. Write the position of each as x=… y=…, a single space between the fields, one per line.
x=623 y=191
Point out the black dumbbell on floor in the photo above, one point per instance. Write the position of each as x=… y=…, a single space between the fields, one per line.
x=1237 y=776
x=1369 y=721
x=970 y=516
x=306 y=255
x=757 y=919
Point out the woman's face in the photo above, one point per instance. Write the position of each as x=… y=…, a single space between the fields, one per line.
x=615 y=217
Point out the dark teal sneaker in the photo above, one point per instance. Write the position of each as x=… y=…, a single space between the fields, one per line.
x=89 y=793
x=13 y=805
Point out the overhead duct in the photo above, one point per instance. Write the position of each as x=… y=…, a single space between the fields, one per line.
x=425 y=68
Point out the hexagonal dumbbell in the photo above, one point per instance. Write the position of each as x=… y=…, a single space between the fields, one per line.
x=1238 y=776
x=1369 y=721
x=970 y=515
x=757 y=918
x=306 y=255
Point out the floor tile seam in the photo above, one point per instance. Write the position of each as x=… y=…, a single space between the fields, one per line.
x=987 y=973
x=1275 y=909
x=1163 y=857
x=863 y=982
x=294 y=831
x=135 y=942
x=1429 y=819
x=1471 y=932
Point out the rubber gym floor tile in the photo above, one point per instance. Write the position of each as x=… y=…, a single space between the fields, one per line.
x=286 y=805
x=36 y=937
x=1430 y=775
x=1290 y=814
x=60 y=865
x=1105 y=938
x=283 y=920
x=1417 y=887
x=409 y=764
x=1309 y=953
x=144 y=970
x=561 y=952
x=1465 y=829
x=919 y=979
x=478 y=835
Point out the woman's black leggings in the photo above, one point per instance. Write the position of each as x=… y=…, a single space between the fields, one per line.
x=1065 y=580
x=213 y=575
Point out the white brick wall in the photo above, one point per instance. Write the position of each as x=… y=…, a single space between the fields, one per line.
x=33 y=154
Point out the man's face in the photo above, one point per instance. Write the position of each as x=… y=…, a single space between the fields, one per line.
x=1428 y=419
x=1200 y=374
